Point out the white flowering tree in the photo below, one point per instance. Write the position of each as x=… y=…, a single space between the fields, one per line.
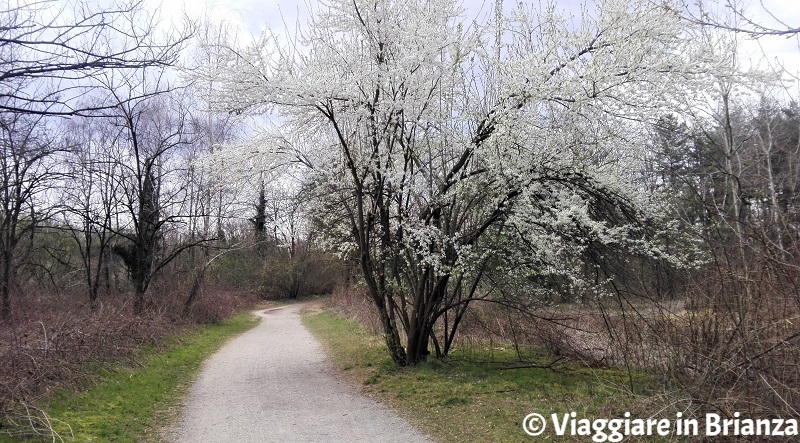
x=451 y=157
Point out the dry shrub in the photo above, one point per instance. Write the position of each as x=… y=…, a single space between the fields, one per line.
x=575 y=333
x=728 y=344
x=353 y=302
x=311 y=273
x=213 y=307
x=51 y=340
x=578 y=334
x=736 y=347
x=582 y=337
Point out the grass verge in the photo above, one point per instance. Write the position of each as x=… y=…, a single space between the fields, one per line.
x=130 y=403
x=477 y=396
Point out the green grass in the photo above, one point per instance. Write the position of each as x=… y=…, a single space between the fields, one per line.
x=130 y=404
x=473 y=396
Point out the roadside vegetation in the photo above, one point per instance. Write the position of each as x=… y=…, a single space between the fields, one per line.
x=482 y=392
x=132 y=402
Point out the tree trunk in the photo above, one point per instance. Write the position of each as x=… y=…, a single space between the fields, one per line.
x=418 y=338
x=138 y=301
x=196 y=285
x=94 y=305
x=5 y=309
x=5 y=287
x=390 y=333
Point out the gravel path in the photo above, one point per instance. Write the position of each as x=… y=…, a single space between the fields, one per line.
x=274 y=384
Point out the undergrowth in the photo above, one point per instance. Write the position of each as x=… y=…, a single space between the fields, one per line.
x=483 y=394
x=122 y=402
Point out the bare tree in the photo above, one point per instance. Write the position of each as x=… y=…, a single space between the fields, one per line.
x=736 y=17
x=52 y=55
x=91 y=199
x=52 y=52
x=156 y=128
x=26 y=172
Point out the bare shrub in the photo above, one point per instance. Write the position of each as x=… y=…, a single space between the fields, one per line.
x=736 y=346
x=51 y=340
x=214 y=307
x=310 y=273
x=352 y=301
x=46 y=347
x=729 y=344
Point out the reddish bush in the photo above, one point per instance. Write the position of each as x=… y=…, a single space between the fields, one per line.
x=50 y=340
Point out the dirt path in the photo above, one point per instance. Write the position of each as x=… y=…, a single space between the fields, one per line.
x=274 y=384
